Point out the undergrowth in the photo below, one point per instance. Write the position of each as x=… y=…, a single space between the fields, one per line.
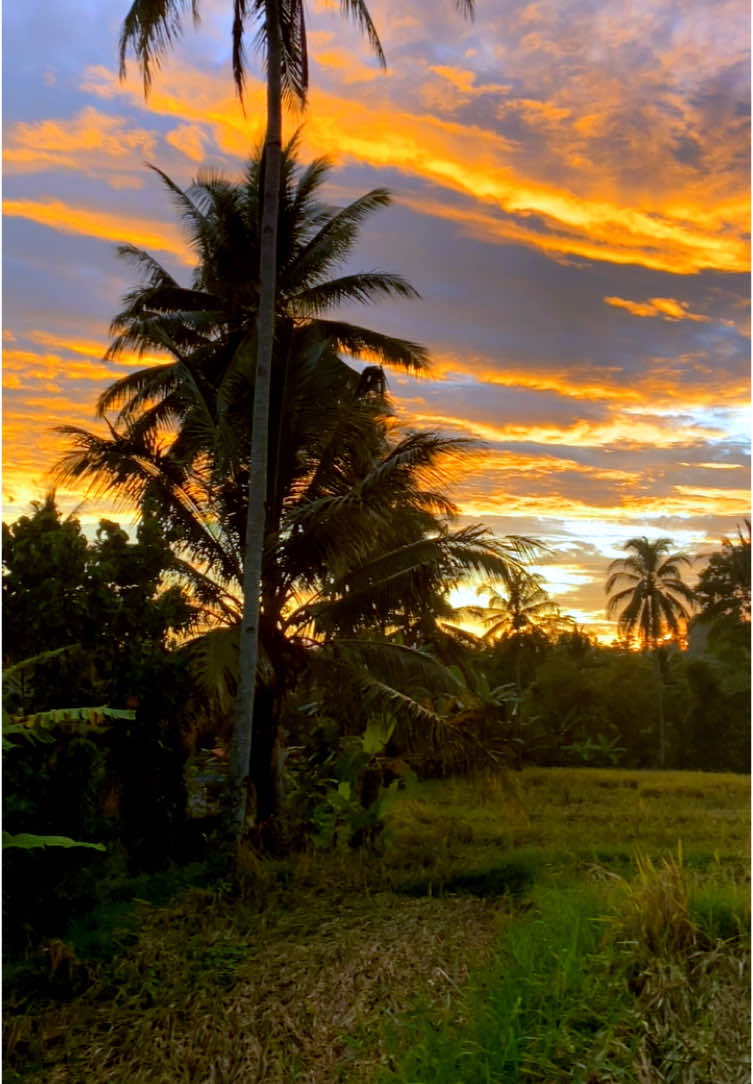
x=534 y=926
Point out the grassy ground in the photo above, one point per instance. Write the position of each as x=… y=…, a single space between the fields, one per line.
x=586 y=925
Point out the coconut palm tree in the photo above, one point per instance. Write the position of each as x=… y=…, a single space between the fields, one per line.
x=365 y=546
x=204 y=392
x=358 y=525
x=519 y=614
x=647 y=592
x=151 y=26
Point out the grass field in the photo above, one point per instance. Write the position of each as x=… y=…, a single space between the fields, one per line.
x=555 y=924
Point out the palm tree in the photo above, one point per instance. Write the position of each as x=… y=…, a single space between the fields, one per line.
x=151 y=28
x=358 y=525
x=365 y=544
x=520 y=614
x=647 y=592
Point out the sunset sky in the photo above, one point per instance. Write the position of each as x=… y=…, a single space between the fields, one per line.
x=571 y=186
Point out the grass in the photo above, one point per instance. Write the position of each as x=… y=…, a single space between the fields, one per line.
x=533 y=1012
x=534 y=926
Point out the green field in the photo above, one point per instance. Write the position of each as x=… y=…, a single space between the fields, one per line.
x=554 y=924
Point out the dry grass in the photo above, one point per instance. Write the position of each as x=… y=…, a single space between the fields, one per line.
x=692 y=1001
x=694 y=1019
x=300 y=989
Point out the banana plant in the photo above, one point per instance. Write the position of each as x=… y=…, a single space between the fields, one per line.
x=36 y=728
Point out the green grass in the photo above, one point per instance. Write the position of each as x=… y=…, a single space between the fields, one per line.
x=508 y=932
x=546 y=998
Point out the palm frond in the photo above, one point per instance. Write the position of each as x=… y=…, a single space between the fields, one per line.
x=332 y=244
x=362 y=342
x=357 y=10
x=152 y=27
x=363 y=289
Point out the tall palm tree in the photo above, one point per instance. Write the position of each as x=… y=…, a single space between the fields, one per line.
x=151 y=26
x=647 y=592
x=358 y=527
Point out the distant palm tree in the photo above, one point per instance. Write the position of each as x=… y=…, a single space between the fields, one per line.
x=647 y=592
x=521 y=608
x=520 y=614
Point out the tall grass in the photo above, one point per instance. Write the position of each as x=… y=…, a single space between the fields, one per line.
x=531 y=927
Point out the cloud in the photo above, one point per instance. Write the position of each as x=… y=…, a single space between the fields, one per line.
x=348 y=68
x=99 y=144
x=189 y=139
x=666 y=307
x=676 y=386
x=103 y=225
x=501 y=200
x=558 y=167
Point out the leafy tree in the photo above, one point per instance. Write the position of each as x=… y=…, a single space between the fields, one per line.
x=44 y=582
x=723 y=588
x=93 y=614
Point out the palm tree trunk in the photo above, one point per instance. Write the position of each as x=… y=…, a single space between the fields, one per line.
x=240 y=755
x=660 y=679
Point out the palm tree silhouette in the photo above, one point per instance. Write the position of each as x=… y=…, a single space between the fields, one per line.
x=521 y=613
x=647 y=592
x=359 y=530
x=151 y=27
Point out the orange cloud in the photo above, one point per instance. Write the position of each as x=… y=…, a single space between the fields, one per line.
x=627 y=431
x=189 y=139
x=67 y=218
x=39 y=367
x=665 y=307
x=464 y=159
x=348 y=66
x=460 y=78
x=93 y=141
x=660 y=387
x=629 y=512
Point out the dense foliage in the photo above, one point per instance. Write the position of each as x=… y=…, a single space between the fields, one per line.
x=105 y=606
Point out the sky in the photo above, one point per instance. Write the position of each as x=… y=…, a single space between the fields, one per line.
x=571 y=199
